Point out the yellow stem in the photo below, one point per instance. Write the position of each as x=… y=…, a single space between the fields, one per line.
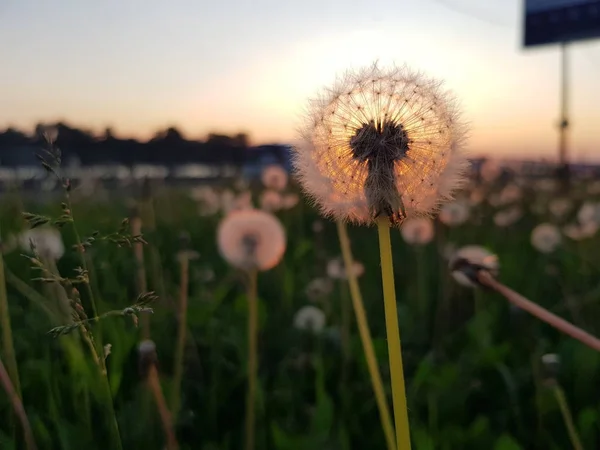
x=365 y=337
x=252 y=360
x=567 y=417
x=393 y=336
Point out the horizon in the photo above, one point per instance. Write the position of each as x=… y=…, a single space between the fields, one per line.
x=139 y=69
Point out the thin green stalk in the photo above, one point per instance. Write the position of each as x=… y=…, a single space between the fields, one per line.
x=15 y=399
x=8 y=348
x=365 y=337
x=252 y=360
x=181 y=333
x=393 y=336
x=567 y=416
x=30 y=293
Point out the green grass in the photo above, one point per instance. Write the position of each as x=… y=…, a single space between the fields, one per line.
x=474 y=381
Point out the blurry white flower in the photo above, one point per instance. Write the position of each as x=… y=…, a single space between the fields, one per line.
x=309 y=318
x=289 y=201
x=251 y=239
x=417 y=231
x=271 y=200
x=242 y=201
x=510 y=194
x=227 y=200
x=337 y=270
x=477 y=256
x=208 y=199
x=318 y=288
x=47 y=242
x=274 y=177
x=546 y=185
x=381 y=142
x=454 y=214
x=578 y=232
x=560 y=207
x=589 y=213
x=507 y=217
x=545 y=238
x=490 y=170
x=476 y=197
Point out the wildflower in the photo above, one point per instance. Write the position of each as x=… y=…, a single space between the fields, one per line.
x=318 y=288
x=510 y=194
x=337 y=270
x=242 y=201
x=545 y=238
x=207 y=199
x=251 y=239
x=271 y=200
x=507 y=217
x=546 y=185
x=490 y=170
x=454 y=214
x=417 y=231
x=227 y=199
x=309 y=318
x=560 y=207
x=289 y=201
x=471 y=257
x=274 y=177
x=578 y=232
x=47 y=242
x=381 y=142
x=589 y=213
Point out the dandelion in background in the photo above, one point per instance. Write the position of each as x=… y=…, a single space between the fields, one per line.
x=578 y=232
x=318 y=289
x=547 y=185
x=337 y=271
x=560 y=207
x=242 y=201
x=289 y=201
x=274 y=177
x=309 y=318
x=271 y=200
x=417 y=231
x=510 y=194
x=454 y=214
x=379 y=146
x=208 y=200
x=227 y=199
x=508 y=217
x=545 y=238
x=490 y=170
x=252 y=241
x=589 y=213
x=47 y=242
x=472 y=256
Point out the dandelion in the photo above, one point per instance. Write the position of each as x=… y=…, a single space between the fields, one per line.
x=309 y=318
x=490 y=170
x=472 y=256
x=271 y=200
x=208 y=200
x=545 y=238
x=318 y=288
x=381 y=142
x=242 y=201
x=578 y=232
x=289 y=201
x=251 y=240
x=508 y=217
x=227 y=199
x=510 y=194
x=47 y=242
x=337 y=271
x=417 y=231
x=274 y=177
x=589 y=213
x=380 y=146
x=454 y=214
x=560 y=207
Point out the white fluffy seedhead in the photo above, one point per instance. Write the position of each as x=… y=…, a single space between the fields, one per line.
x=251 y=239
x=381 y=141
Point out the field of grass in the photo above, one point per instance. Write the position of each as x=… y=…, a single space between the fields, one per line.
x=473 y=364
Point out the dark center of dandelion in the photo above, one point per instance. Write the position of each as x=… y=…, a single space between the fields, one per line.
x=385 y=140
x=250 y=243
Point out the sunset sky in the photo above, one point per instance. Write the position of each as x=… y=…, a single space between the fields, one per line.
x=250 y=65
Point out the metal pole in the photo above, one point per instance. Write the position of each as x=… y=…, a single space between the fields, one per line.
x=564 y=121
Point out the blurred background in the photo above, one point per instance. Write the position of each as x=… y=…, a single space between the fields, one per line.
x=170 y=115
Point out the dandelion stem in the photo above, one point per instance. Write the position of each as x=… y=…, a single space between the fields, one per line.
x=393 y=336
x=252 y=359
x=17 y=406
x=140 y=272
x=181 y=333
x=163 y=410
x=541 y=313
x=8 y=348
x=567 y=416
x=365 y=336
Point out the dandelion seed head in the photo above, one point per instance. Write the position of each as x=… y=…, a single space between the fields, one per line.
x=490 y=170
x=336 y=269
x=560 y=207
x=417 y=231
x=578 y=232
x=47 y=241
x=475 y=256
x=251 y=239
x=454 y=213
x=309 y=318
x=289 y=201
x=507 y=217
x=545 y=238
x=381 y=141
x=271 y=200
x=318 y=288
x=274 y=177
x=589 y=213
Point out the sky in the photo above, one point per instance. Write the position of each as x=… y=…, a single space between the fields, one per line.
x=231 y=66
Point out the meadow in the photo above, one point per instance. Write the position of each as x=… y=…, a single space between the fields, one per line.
x=478 y=374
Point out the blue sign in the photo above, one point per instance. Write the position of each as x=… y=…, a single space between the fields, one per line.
x=557 y=21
